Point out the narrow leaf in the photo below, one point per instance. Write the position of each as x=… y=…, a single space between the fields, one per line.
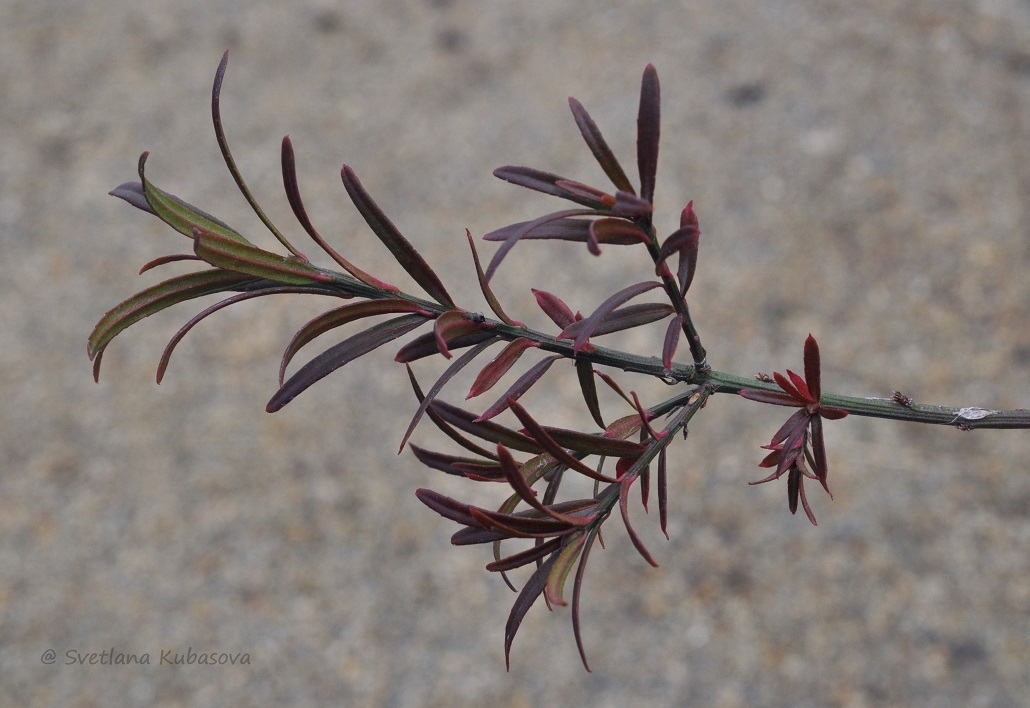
x=533 y=553
x=560 y=572
x=445 y=427
x=554 y=307
x=550 y=446
x=596 y=142
x=591 y=444
x=487 y=430
x=648 y=130
x=180 y=215
x=812 y=375
x=516 y=236
x=591 y=323
x=530 y=591
x=545 y=182
x=402 y=250
x=499 y=366
x=224 y=252
x=624 y=318
x=133 y=193
x=484 y=286
x=519 y=526
x=166 y=355
x=774 y=397
x=616 y=232
x=523 y=384
x=683 y=241
x=587 y=384
x=517 y=482
x=425 y=345
x=340 y=316
x=346 y=351
x=663 y=492
x=447 y=507
x=443 y=462
x=577 y=588
x=223 y=146
x=624 y=508
x=157 y=298
x=672 y=338
x=447 y=375
x=292 y=188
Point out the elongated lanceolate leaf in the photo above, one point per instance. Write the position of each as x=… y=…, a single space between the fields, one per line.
x=516 y=236
x=599 y=147
x=445 y=463
x=533 y=553
x=523 y=384
x=292 y=187
x=157 y=298
x=663 y=492
x=180 y=215
x=547 y=183
x=648 y=130
x=549 y=445
x=224 y=252
x=492 y=372
x=491 y=299
x=590 y=444
x=402 y=250
x=577 y=588
x=562 y=565
x=624 y=508
x=587 y=327
x=487 y=430
x=624 y=318
x=445 y=427
x=447 y=507
x=513 y=474
x=426 y=345
x=617 y=232
x=585 y=373
x=672 y=338
x=346 y=351
x=554 y=307
x=341 y=316
x=447 y=375
x=230 y=163
x=166 y=355
x=530 y=592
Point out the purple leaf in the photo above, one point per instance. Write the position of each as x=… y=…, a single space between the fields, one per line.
x=341 y=316
x=663 y=492
x=453 y=325
x=402 y=250
x=443 y=462
x=516 y=236
x=154 y=299
x=624 y=318
x=672 y=338
x=533 y=553
x=591 y=323
x=624 y=508
x=426 y=345
x=447 y=507
x=577 y=588
x=554 y=307
x=449 y=373
x=648 y=130
x=492 y=372
x=297 y=204
x=346 y=351
x=530 y=591
x=487 y=430
x=491 y=299
x=133 y=193
x=587 y=384
x=596 y=142
x=550 y=446
x=523 y=384
x=544 y=182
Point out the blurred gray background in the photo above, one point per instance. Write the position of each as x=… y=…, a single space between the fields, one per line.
x=861 y=170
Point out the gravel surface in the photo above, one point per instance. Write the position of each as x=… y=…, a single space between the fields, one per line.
x=861 y=169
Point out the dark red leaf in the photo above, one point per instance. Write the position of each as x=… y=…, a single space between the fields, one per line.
x=663 y=493
x=500 y=365
x=491 y=299
x=554 y=307
x=648 y=131
x=587 y=384
x=517 y=236
x=444 y=462
x=523 y=384
x=596 y=142
x=577 y=588
x=530 y=591
x=551 y=446
x=404 y=253
x=425 y=345
x=447 y=507
x=487 y=430
x=672 y=338
x=812 y=375
x=533 y=553
x=592 y=322
x=543 y=182
x=774 y=397
x=624 y=318
x=346 y=351
x=624 y=508
x=446 y=376
x=453 y=325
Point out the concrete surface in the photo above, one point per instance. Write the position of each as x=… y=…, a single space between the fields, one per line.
x=861 y=170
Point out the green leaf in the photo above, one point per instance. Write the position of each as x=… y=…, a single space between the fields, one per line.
x=225 y=252
x=157 y=298
x=180 y=215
